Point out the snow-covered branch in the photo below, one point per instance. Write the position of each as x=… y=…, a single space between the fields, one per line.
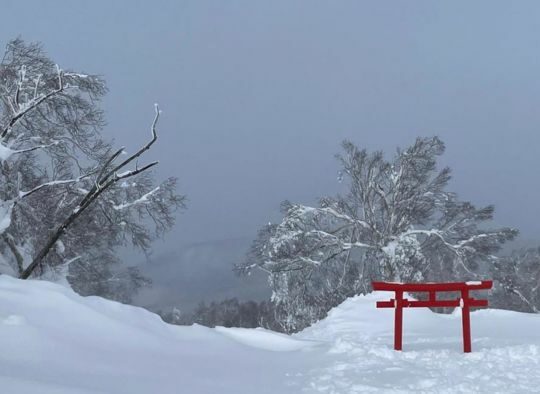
x=144 y=199
x=23 y=194
x=20 y=109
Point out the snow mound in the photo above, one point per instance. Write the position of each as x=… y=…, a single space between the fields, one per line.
x=54 y=341
x=505 y=357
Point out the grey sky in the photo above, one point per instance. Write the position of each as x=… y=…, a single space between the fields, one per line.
x=257 y=96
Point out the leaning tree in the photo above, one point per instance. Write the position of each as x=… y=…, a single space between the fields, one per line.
x=397 y=222
x=68 y=199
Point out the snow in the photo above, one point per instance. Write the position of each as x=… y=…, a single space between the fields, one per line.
x=6 y=207
x=63 y=343
x=144 y=199
x=60 y=247
x=265 y=339
x=5 y=152
x=390 y=248
x=78 y=75
x=54 y=341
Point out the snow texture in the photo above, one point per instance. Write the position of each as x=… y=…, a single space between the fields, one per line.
x=54 y=341
x=6 y=208
x=5 y=152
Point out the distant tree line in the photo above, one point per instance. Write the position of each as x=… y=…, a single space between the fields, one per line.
x=227 y=313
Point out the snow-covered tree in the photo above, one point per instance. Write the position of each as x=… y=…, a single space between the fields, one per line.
x=397 y=222
x=68 y=200
x=517 y=281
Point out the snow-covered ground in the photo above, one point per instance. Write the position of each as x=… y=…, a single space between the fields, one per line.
x=54 y=341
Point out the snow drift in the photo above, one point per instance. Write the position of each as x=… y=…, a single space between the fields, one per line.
x=54 y=341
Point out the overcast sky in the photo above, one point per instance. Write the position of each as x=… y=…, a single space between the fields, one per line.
x=257 y=95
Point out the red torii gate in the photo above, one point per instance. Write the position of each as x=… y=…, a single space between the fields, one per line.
x=465 y=302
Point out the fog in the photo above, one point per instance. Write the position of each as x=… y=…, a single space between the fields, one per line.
x=257 y=96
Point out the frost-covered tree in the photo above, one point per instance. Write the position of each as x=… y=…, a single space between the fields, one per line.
x=397 y=222
x=68 y=199
x=517 y=281
x=175 y=316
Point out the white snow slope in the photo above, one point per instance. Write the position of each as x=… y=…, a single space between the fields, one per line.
x=54 y=341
